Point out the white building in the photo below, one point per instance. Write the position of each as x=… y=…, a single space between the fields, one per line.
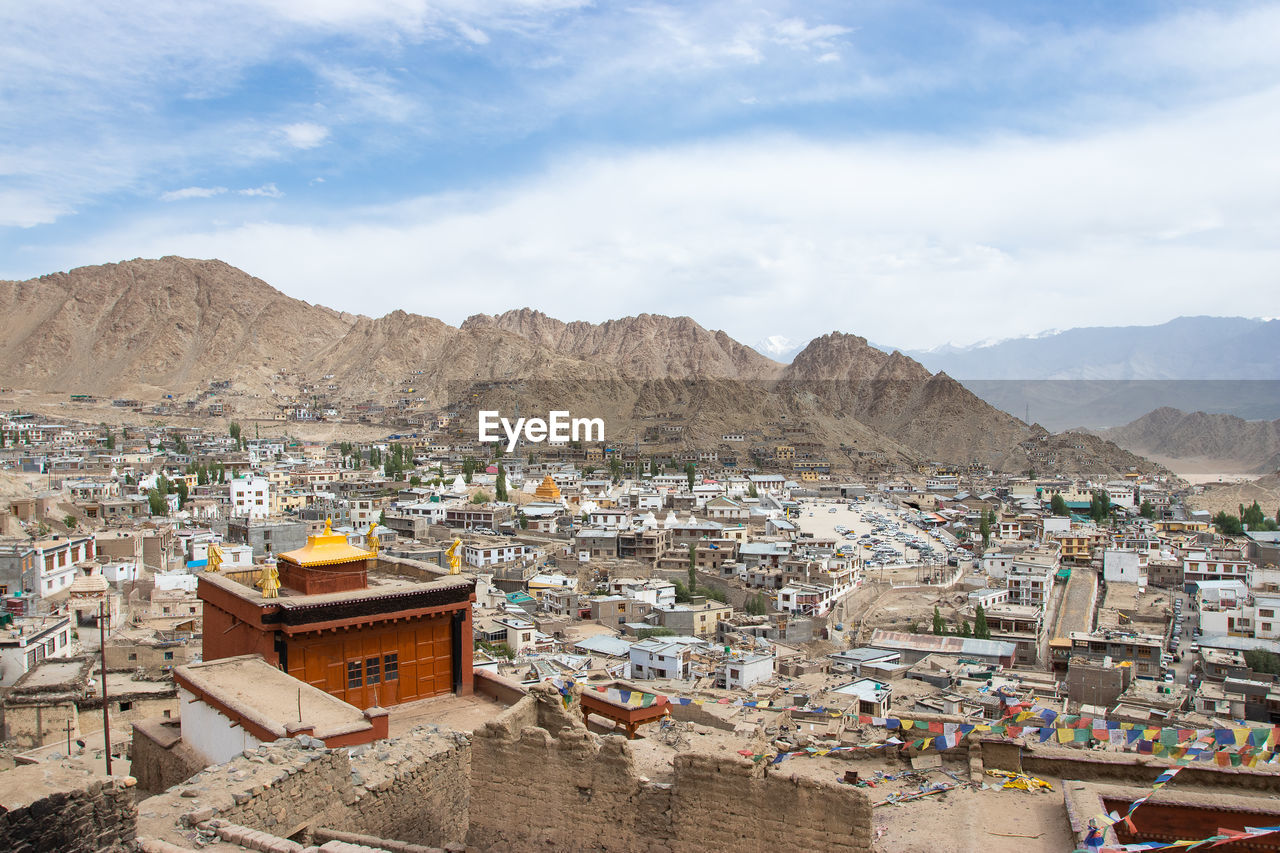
x=743 y=670
x=657 y=658
x=487 y=554
x=250 y=497
x=1214 y=564
x=1121 y=565
x=30 y=640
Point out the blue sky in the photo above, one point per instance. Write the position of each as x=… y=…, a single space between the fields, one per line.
x=913 y=172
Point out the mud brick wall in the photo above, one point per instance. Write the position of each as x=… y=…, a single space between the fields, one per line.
x=415 y=788
x=412 y=790
x=158 y=758
x=97 y=816
x=731 y=804
x=575 y=791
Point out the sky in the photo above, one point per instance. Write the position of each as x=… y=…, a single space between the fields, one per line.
x=918 y=173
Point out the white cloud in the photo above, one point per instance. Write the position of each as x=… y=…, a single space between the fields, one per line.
x=305 y=134
x=906 y=242
x=192 y=192
x=265 y=191
x=475 y=35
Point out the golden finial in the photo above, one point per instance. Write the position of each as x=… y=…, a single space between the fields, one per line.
x=328 y=526
x=269 y=581
x=455 y=558
x=214 y=558
x=371 y=541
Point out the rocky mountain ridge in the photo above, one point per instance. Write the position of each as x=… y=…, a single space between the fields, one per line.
x=148 y=329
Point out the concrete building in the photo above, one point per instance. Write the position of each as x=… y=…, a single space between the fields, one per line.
x=250 y=497
x=239 y=703
x=658 y=658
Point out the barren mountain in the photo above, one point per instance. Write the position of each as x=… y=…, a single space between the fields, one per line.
x=1229 y=497
x=648 y=346
x=153 y=328
x=168 y=324
x=1225 y=441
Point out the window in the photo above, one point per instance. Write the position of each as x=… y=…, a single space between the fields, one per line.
x=126 y=706
x=168 y=655
x=390 y=667
x=133 y=655
x=372 y=671
x=354 y=677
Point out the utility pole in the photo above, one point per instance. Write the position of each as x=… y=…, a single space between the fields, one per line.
x=106 y=714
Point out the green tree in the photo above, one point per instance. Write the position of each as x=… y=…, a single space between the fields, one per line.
x=156 y=502
x=939 y=627
x=415 y=481
x=382 y=518
x=1147 y=510
x=690 y=470
x=523 y=520
x=693 y=564
x=980 y=629
x=1058 y=505
x=915 y=628
x=181 y=489
x=500 y=485
x=682 y=591
x=110 y=441
x=1262 y=661
x=646 y=633
x=965 y=630
x=1100 y=507
x=1228 y=525
x=480 y=497
x=468 y=469
x=753 y=492
x=1253 y=517
x=70 y=522
x=984 y=530
x=234 y=430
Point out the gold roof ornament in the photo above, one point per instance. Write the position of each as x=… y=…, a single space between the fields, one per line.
x=214 y=558
x=455 y=558
x=269 y=581
x=371 y=540
x=325 y=549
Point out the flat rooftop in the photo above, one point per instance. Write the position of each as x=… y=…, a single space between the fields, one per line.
x=257 y=691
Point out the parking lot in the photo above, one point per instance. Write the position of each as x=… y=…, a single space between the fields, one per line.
x=876 y=533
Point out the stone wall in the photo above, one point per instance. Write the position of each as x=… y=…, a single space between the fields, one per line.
x=415 y=788
x=56 y=807
x=158 y=758
x=578 y=791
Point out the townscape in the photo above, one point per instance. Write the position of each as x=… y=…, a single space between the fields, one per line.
x=959 y=634
x=734 y=426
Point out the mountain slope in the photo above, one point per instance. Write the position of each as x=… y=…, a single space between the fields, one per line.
x=648 y=346
x=1184 y=348
x=149 y=329
x=170 y=324
x=1233 y=443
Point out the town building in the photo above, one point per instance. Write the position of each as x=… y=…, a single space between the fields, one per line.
x=339 y=624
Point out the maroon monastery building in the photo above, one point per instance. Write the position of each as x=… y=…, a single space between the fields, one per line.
x=377 y=641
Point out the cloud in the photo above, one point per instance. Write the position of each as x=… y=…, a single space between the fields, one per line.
x=264 y=191
x=901 y=240
x=305 y=135
x=192 y=192
x=472 y=34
